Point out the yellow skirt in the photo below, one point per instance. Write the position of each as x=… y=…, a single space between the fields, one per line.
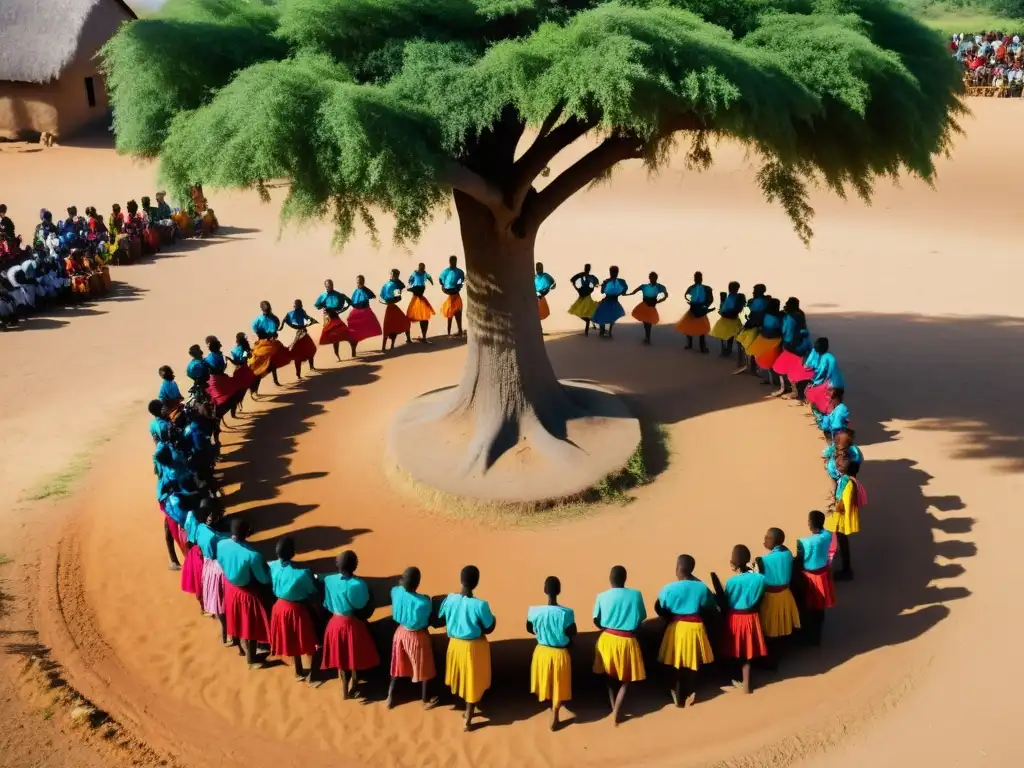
x=693 y=326
x=468 y=668
x=779 y=616
x=551 y=674
x=748 y=337
x=262 y=355
x=419 y=309
x=452 y=305
x=542 y=306
x=583 y=308
x=760 y=345
x=847 y=521
x=686 y=645
x=644 y=313
x=726 y=328
x=619 y=657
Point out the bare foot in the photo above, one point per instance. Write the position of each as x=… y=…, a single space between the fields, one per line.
x=690 y=700
x=173 y=566
x=675 y=697
x=389 y=702
x=432 y=702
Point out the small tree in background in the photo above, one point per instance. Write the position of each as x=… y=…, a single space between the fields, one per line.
x=404 y=106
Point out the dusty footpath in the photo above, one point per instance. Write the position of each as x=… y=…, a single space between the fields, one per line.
x=919 y=294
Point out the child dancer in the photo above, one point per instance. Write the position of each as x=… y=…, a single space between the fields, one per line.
x=818 y=590
x=618 y=612
x=652 y=293
x=584 y=306
x=695 y=322
x=411 y=653
x=728 y=325
x=685 y=645
x=551 y=667
x=543 y=284
x=739 y=600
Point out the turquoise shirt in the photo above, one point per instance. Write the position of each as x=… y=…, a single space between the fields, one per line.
x=242 y=563
x=649 y=291
x=266 y=324
x=169 y=391
x=620 y=608
x=733 y=305
x=838 y=419
x=297 y=317
x=292 y=583
x=686 y=597
x=172 y=508
x=419 y=279
x=197 y=370
x=744 y=591
x=778 y=567
x=550 y=623
x=758 y=305
x=815 y=550
x=410 y=609
x=207 y=539
x=160 y=429
x=391 y=292
x=332 y=300
x=853 y=454
x=344 y=595
x=614 y=287
x=215 y=362
x=812 y=360
x=543 y=282
x=191 y=526
x=452 y=279
x=828 y=370
x=361 y=298
x=465 y=617
x=699 y=296
x=239 y=355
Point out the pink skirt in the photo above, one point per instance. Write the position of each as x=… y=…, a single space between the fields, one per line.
x=213 y=588
x=820 y=397
x=192 y=573
x=800 y=374
x=412 y=655
x=245 y=614
x=348 y=645
x=363 y=324
x=787 y=363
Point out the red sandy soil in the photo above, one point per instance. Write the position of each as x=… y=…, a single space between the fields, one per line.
x=919 y=293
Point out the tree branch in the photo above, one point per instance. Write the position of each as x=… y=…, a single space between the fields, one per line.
x=551 y=119
x=458 y=176
x=543 y=150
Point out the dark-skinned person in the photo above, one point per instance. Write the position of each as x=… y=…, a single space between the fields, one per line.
x=452 y=279
x=609 y=311
x=468 y=620
x=739 y=599
x=652 y=293
x=618 y=612
x=245 y=572
x=818 y=592
x=685 y=646
x=584 y=307
x=419 y=309
x=395 y=320
x=728 y=325
x=348 y=646
x=208 y=536
x=554 y=626
x=695 y=322
x=543 y=284
x=778 y=612
x=412 y=655
x=303 y=347
x=844 y=519
x=292 y=632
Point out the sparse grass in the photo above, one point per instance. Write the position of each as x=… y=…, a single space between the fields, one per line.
x=47 y=713
x=967 y=16
x=61 y=485
x=4 y=560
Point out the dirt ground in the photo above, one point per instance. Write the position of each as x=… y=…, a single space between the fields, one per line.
x=919 y=294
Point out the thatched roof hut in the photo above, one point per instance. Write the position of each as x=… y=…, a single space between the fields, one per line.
x=49 y=76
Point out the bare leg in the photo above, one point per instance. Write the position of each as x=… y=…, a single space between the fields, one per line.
x=619 y=698
x=391 y=690
x=408 y=338
x=250 y=654
x=470 y=711
x=747 y=687
x=686 y=687
x=273 y=375
x=384 y=343
x=223 y=620
x=586 y=327
x=314 y=665
x=555 y=710
x=843 y=544
x=428 y=700
x=343 y=679
x=172 y=556
x=337 y=354
x=298 y=370
x=647 y=333
x=423 y=329
x=300 y=673
x=311 y=366
x=353 y=345
x=703 y=345
x=458 y=322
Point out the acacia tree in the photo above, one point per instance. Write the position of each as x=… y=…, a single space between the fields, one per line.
x=405 y=106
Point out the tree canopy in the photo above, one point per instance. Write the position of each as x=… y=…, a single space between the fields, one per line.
x=370 y=105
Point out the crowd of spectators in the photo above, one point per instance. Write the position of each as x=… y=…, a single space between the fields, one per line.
x=992 y=63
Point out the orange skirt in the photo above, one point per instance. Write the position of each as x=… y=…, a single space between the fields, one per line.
x=395 y=321
x=419 y=309
x=334 y=331
x=743 y=638
x=819 y=589
x=689 y=325
x=452 y=306
x=543 y=308
x=767 y=359
x=645 y=313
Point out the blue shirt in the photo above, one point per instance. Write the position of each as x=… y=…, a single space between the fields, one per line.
x=828 y=370
x=190 y=526
x=215 y=362
x=332 y=300
x=771 y=326
x=410 y=609
x=838 y=419
x=466 y=617
x=266 y=324
x=169 y=391
x=812 y=359
x=290 y=582
x=172 y=508
x=758 y=305
x=361 y=298
x=614 y=287
x=620 y=608
x=853 y=454
x=239 y=355
x=452 y=278
x=543 y=282
x=344 y=595
x=815 y=550
x=419 y=279
x=699 y=296
x=297 y=317
x=733 y=305
x=241 y=563
x=391 y=291
x=550 y=623
x=207 y=539
x=649 y=291
x=744 y=591
x=686 y=597
x=778 y=567
x=197 y=370
x=160 y=429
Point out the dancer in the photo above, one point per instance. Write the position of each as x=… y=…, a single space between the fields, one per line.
x=268 y=354
x=551 y=667
x=844 y=520
x=419 y=309
x=159 y=425
x=768 y=346
x=739 y=600
x=796 y=345
x=842 y=448
x=728 y=325
x=695 y=322
x=685 y=645
x=348 y=646
x=362 y=322
x=241 y=352
x=243 y=375
x=452 y=279
x=395 y=320
x=827 y=375
x=244 y=571
x=291 y=625
x=411 y=653
x=169 y=393
x=207 y=538
x=225 y=391
x=192 y=568
x=468 y=620
x=609 y=310
x=584 y=306
x=543 y=284
x=837 y=417
x=332 y=303
x=756 y=308
x=198 y=371
x=646 y=311
x=618 y=612
x=778 y=613
x=818 y=591
x=303 y=347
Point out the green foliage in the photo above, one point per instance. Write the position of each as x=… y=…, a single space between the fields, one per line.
x=363 y=105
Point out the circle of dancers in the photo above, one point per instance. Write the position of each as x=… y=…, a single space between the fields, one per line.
x=285 y=610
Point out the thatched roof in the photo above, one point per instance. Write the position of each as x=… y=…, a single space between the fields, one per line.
x=39 y=38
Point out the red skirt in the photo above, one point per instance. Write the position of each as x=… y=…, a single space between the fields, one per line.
x=767 y=359
x=800 y=374
x=788 y=364
x=302 y=349
x=348 y=645
x=244 y=377
x=334 y=331
x=177 y=532
x=820 y=397
x=245 y=614
x=819 y=589
x=282 y=356
x=743 y=638
x=395 y=321
x=192 y=572
x=291 y=630
x=152 y=239
x=221 y=388
x=363 y=324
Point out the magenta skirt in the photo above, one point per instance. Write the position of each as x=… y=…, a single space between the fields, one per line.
x=799 y=374
x=192 y=573
x=221 y=387
x=213 y=588
x=787 y=364
x=820 y=397
x=363 y=324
